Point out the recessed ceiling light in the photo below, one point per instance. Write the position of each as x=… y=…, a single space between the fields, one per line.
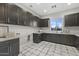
x=68 y=3
x=45 y=10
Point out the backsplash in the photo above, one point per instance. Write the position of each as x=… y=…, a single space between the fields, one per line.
x=71 y=30
x=23 y=31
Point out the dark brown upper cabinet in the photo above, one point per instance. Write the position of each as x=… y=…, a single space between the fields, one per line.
x=72 y=20
x=33 y=21
x=43 y=23
x=27 y=19
x=21 y=19
x=3 y=13
x=77 y=19
x=12 y=14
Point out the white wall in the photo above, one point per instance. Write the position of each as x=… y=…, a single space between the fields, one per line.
x=23 y=30
x=62 y=13
x=74 y=30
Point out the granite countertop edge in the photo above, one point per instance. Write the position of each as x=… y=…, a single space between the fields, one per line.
x=9 y=38
x=60 y=33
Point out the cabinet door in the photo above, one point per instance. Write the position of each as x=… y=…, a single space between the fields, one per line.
x=12 y=14
x=66 y=20
x=43 y=23
x=27 y=19
x=4 y=49
x=77 y=43
x=14 y=46
x=3 y=13
x=68 y=39
x=9 y=48
x=72 y=20
x=2 y=10
x=21 y=20
x=77 y=19
x=36 y=38
x=33 y=21
x=13 y=19
x=20 y=16
x=37 y=20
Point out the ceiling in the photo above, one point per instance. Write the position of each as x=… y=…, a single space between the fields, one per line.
x=44 y=9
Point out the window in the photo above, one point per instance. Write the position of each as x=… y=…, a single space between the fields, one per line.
x=56 y=24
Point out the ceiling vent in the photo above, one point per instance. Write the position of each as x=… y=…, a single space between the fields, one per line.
x=53 y=6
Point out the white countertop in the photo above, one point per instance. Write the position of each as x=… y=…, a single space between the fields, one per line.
x=60 y=33
x=9 y=38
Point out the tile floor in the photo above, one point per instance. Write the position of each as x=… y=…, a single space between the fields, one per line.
x=47 y=49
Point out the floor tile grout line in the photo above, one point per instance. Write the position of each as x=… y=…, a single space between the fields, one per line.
x=46 y=45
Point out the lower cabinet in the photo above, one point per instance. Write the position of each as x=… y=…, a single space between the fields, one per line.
x=36 y=38
x=65 y=39
x=4 y=49
x=9 y=48
x=77 y=43
x=59 y=38
x=55 y=38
